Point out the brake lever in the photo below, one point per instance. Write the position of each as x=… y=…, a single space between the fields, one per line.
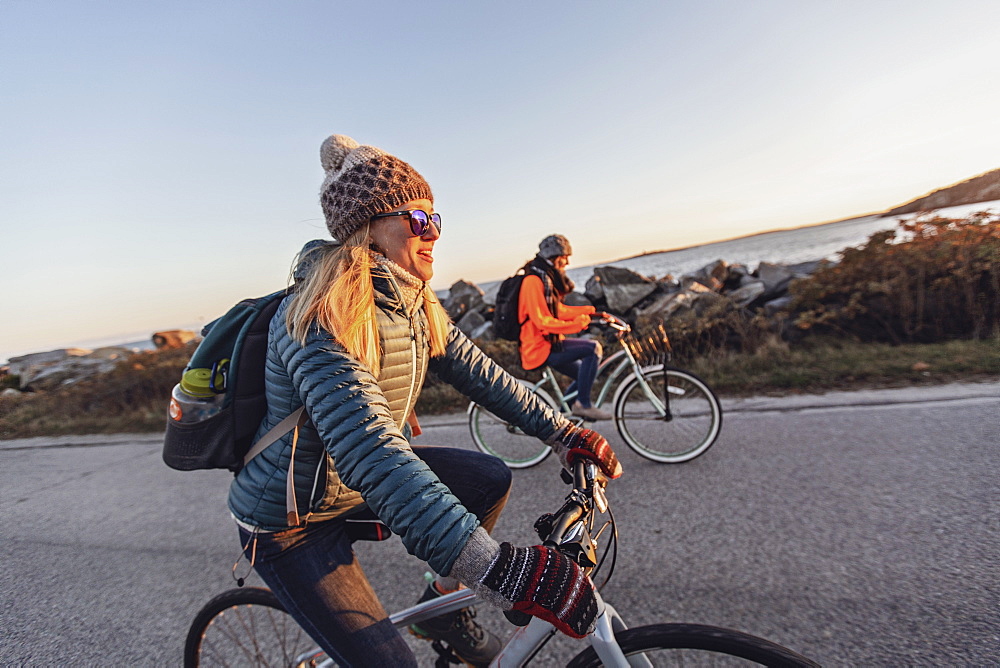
x=600 y=499
x=596 y=482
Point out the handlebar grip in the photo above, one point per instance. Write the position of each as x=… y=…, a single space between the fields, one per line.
x=517 y=618
x=585 y=471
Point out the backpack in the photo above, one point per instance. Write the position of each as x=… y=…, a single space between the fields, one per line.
x=234 y=348
x=505 y=322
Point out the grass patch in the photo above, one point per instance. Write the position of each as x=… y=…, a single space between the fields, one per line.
x=822 y=365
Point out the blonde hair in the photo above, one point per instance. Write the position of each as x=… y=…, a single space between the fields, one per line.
x=337 y=293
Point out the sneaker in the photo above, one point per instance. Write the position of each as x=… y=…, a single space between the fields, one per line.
x=471 y=642
x=590 y=412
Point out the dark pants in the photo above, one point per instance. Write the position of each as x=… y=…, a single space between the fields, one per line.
x=314 y=573
x=578 y=359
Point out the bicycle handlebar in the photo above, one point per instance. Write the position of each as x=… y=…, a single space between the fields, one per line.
x=567 y=529
x=614 y=322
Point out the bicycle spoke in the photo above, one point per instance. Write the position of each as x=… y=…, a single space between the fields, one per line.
x=695 y=415
x=496 y=437
x=252 y=635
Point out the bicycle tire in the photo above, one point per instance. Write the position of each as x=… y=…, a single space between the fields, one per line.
x=696 y=645
x=696 y=415
x=501 y=439
x=245 y=627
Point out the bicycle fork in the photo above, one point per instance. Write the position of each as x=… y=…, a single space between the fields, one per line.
x=604 y=643
x=525 y=641
x=647 y=389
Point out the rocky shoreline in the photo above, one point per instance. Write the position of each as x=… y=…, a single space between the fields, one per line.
x=634 y=297
x=617 y=290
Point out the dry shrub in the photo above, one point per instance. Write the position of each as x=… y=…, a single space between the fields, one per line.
x=133 y=396
x=926 y=281
x=722 y=327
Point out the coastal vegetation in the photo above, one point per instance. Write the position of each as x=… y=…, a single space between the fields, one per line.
x=918 y=304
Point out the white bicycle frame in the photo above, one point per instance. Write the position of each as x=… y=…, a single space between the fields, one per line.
x=526 y=640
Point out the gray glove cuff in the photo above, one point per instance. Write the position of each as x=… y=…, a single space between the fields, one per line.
x=555 y=440
x=475 y=559
x=556 y=443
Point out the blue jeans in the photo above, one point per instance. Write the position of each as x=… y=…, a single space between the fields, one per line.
x=313 y=571
x=578 y=359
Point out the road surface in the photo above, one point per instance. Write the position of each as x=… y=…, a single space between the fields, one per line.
x=859 y=529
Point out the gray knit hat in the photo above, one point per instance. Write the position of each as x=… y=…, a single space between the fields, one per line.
x=554 y=245
x=362 y=181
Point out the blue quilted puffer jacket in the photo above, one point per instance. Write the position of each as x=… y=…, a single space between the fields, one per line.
x=353 y=449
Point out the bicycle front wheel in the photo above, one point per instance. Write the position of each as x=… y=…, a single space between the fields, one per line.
x=247 y=627
x=697 y=645
x=672 y=431
x=504 y=440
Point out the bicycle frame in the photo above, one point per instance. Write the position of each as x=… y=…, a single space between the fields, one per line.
x=621 y=361
x=525 y=640
x=571 y=526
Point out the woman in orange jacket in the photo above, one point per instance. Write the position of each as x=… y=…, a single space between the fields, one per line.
x=547 y=320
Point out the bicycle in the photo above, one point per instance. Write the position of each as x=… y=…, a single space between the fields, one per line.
x=249 y=627
x=663 y=413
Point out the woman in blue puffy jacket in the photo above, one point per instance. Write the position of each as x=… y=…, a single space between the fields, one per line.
x=352 y=345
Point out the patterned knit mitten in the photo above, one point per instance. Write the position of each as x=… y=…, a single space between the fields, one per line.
x=576 y=442
x=544 y=583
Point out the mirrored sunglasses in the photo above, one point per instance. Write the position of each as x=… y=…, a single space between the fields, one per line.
x=420 y=220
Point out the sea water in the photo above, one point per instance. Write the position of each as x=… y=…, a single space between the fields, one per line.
x=804 y=244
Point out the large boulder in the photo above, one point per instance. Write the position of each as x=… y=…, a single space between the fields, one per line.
x=577 y=299
x=748 y=292
x=25 y=364
x=775 y=306
x=712 y=275
x=28 y=367
x=67 y=372
x=665 y=306
x=695 y=284
x=470 y=322
x=804 y=269
x=52 y=369
x=463 y=297
x=173 y=338
x=594 y=290
x=776 y=278
x=621 y=288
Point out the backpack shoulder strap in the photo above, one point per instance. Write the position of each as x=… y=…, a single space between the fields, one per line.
x=293 y=421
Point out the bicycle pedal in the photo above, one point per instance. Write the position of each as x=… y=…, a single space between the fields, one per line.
x=446 y=655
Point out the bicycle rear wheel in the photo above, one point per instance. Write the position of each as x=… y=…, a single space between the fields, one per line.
x=698 y=645
x=679 y=434
x=501 y=439
x=247 y=627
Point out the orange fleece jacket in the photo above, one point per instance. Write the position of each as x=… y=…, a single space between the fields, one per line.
x=538 y=321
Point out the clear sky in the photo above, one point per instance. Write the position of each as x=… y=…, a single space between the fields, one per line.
x=159 y=161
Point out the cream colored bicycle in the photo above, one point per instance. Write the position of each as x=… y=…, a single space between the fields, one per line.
x=663 y=413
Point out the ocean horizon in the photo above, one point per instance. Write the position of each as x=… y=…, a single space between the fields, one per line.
x=821 y=241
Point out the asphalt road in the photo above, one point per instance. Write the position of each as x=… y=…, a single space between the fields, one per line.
x=859 y=529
